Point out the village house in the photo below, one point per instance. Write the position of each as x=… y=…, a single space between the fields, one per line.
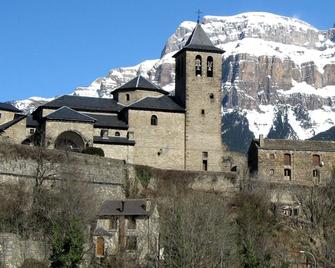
x=291 y=161
x=129 y=227
x=12 y=123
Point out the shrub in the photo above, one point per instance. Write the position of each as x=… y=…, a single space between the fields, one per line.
x=94 y=151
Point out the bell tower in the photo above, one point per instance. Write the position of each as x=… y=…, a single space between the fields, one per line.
x=198 y=89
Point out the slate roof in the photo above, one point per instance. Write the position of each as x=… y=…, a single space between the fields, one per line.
x=164 y=104
x=87 y=104
x=297 y=145
x=17 y=118
x=31 y=123
x=130 y=207
x=108 y=121
x=113 y=140
x=67 y=114
x=140 y=82
x=199 y=41
x=9 y=107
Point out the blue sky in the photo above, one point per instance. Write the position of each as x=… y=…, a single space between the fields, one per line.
x=49 y=47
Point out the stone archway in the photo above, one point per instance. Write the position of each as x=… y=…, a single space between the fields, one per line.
x=70 y=141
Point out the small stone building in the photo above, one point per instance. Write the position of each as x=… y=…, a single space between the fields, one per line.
x=294 y=161
x=128 y=227
x=12 y=124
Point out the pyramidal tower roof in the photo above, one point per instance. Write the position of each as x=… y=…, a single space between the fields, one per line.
x=199 y=41
x=140 y=82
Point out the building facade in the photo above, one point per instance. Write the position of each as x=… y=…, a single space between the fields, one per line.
x=128 y=227
x=295 y=161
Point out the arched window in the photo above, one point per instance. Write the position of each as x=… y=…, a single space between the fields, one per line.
x=127 y=97
x=287 y=159
x=316 y=160
x=198 y=65
x=210 y=66
x=117 y=134
x=100 y=246
x=154 y=120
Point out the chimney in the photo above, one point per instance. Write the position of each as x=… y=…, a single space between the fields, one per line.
x=261 y=140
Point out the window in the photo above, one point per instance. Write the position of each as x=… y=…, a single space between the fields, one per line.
x=117 y=134
x=287 y=173
x=127 y=97
x=209 y=66
x=211 y=96
x=0 y=115
x=202 y=112
x=316 y=160
x=272 y=171
x=104 y=133
x=131 y=242
x=113 y=223
x=272 y=156
x=131 y=222
x=287 y=159
x=316 y=173
x=154 y=120
x=130 y=135
x=204 y=165
x=204 y=154
x=198 y=65
x=31 y=131
x=100 y=246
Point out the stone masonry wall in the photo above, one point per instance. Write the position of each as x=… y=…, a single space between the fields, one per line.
x=162 y=145
x=271 y=166
x=203 y=129
x=136 y=95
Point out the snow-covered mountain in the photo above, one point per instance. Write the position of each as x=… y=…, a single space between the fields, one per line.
x=278 y=74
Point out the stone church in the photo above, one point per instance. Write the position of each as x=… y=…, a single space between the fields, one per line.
x=142 y=123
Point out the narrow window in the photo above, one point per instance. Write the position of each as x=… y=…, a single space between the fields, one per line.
x=204 y=165
x=131 y=242
x=209 y=66
x=287 y=174
x=127 y=97
x=32 y=131
x=154 y=120
x=113 y=223
x=296 y=211
x=100 y=246
x=130 y=135
x=104 y=133
x=202 y=111
x=287 y=159
x=316 y=160
x=316 y=173
x=117 y=134
x=211 y=96
x=272 y=156
x=0 y=115
x=272 y=172
x=131 y=223
x=198 y=65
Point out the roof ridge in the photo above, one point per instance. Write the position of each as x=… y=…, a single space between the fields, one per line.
x=138 y=80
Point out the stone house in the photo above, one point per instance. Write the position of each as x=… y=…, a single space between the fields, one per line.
x=294 y=161
x=142 y=123
x=12 y=124
x=130 y=227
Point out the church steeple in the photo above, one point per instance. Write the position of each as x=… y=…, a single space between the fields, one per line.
x=199 y=41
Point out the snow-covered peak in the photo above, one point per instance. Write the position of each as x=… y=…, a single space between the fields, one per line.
x=255 y=19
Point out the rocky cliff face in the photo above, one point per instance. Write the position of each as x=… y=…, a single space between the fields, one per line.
x=278 y=74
